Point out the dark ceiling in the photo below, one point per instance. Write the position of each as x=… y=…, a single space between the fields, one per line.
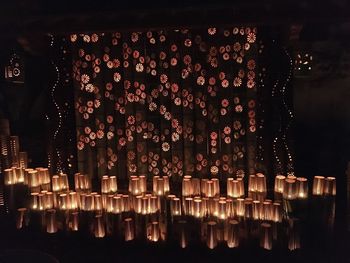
x=43 y=16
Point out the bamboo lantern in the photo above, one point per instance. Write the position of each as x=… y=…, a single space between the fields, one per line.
x=210 y=189
x=212 y=234
x=113 y=185
x=137 y=204
x=126 y=203
x=160 y=191
x=197 y=208
x=134 y=187
x=146 y=203
x=129 y=230
x=188 y=206
x=230 y=210
x=98 y=202
x=143 y=183
x=19 y=174
x=186 y=186
x=21 y=215
x=23 y=160
x=302 y=188
x=241 y=187
x=154 y=204
x=99 y=227
x=155 y=183
x=105 y=185
x=277 y=212
x=89 y=202
x=109 y=205
x=267 y=210
x=261 y=183
x=214 y=206
x=10 y=176
x=74 y=221
x=248 y=208
x=84 y=182
x=51 y=223
x=76 y=182
x=26 y=175
x=73 y=200
x=204 y=186
x=44 y=176
x=64 y=185
x=166 y=184
x=279 y=183
x=240 y=207
x=222 y=213
x=196 y=186
x=63 y=201
x=34 y=201
x=216 y=186
x=293 y=234
x=232 y=234
x=233 y=188
x=175 y=206
x=183 y=236
x=318 y=185
x=330 y=186
x=153 y=234
x=118 y=204
x=290 y=190
x=266 y=236
x=257 y=210
x=56 y=184
x=252 y=183
x=49 y=200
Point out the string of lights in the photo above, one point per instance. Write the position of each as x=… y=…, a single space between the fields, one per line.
x=59 y=125
x=290 y=166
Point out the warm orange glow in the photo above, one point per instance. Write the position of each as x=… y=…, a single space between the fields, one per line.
x=212 y=234
x=279 y=183
x=266 y=236
x=318 y=185
x=330 y=186
x=51 y=223
x=129 y=232
x=290 y=189
x=302 y=188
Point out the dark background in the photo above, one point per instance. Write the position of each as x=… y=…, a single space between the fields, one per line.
x=321 y=96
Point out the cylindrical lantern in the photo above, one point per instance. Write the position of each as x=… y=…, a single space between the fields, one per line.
x=175 y=206
x=290 y=190
x=232 y=234
x=266 y=236
x=261 y=183
x=154 y=232
x=330 y=186
x=113 y=185
x=56 y=183
x=302 y=188
x=240 y=207
x=129 y=230
x=99 y=227
x=212 y=234
x=252 y=183
x=186 y=187
x=279 y=183
x=51 y=224
x=318 y=185
x=105 y=184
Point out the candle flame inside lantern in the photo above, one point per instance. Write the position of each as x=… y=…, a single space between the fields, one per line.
x=302 y=187
x=279 y=183
x=318 y=185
